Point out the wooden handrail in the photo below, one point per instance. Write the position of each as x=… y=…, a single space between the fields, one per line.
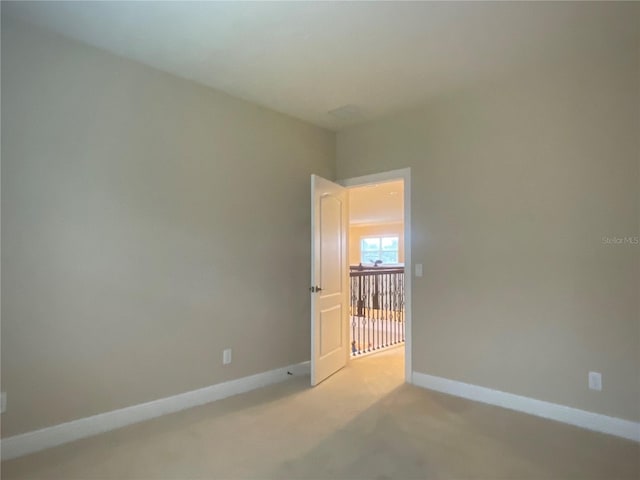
x=356 y=272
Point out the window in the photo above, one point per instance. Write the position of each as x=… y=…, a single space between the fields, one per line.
x=373 y=249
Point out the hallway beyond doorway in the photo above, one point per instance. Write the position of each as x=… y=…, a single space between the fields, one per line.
x=376 y=266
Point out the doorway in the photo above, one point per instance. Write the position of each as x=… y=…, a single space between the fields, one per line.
x=331 y=345
x=380 y=263
x=376 y=267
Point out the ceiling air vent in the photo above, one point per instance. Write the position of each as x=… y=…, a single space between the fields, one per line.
x=347 y=112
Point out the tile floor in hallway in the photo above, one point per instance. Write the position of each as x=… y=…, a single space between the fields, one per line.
x=363 y=422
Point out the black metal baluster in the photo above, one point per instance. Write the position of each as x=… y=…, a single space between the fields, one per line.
x=374 y=316
x=395 y=325
x=378 y=311
x=380 y=308
x=385 y=307
x=391 y=307
x=376 y=308
x=374 y=301
x=397 y=305
x=374 y=304
x=402 y=310
x=365 y=321
x=357 y=319
x=363 y=318
x=354 y=306
x=381 y=313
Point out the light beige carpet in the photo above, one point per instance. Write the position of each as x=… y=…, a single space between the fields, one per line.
x=361 y=423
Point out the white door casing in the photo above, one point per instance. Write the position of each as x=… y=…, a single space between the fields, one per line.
x=329 y=279
x=403 y=174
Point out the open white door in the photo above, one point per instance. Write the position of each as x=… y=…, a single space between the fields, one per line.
x=329 y=279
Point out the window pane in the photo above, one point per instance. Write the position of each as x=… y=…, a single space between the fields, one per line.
x=389 y=243
x=389 y=257
x=370 y=244
x=369 y=257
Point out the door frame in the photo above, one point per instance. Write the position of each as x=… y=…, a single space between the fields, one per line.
x=382 y=177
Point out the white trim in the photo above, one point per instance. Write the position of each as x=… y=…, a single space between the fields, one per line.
x=48 y=437
x=382 y=177
x=573 y=416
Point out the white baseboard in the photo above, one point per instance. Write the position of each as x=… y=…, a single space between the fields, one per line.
x=573 y=416
x=48 y=437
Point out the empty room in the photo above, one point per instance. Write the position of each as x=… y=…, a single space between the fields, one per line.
x=320 y=240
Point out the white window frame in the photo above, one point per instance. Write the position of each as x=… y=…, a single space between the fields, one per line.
x=380 y=250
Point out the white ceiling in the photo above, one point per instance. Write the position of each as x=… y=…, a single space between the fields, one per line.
x=374 y=204
x=308 y=58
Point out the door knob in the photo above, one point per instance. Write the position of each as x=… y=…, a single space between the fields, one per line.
x=315 y=289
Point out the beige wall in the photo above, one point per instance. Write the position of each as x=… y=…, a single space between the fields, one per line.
x=356 y=232
x=147 y=223
x=514 y=185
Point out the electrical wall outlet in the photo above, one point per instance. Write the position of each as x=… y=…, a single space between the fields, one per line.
x=595 y=381
x=3 y=402
x=226 y=356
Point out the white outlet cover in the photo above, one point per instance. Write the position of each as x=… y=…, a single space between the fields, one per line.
x=226 y=356
x=418 y=269
x=595 y=381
